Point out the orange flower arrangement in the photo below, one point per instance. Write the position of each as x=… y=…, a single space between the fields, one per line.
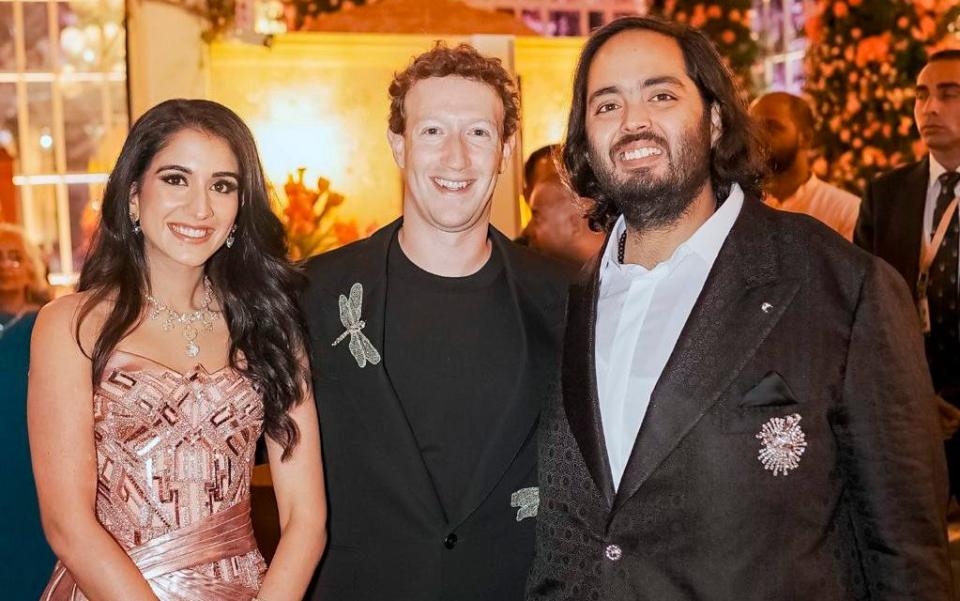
x=308 y=217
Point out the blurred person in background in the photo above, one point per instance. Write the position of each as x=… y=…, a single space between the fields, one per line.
x=538 y=166
x=786 y=124
x=558 y=225
x=25 y=557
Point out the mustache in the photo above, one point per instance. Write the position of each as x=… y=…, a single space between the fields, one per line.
x=631 y=138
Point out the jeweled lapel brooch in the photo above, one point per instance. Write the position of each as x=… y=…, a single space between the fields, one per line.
x=360 y=346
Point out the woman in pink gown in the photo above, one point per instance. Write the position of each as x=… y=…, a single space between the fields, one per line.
x=150 y=386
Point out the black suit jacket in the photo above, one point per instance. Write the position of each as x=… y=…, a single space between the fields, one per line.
x=890 y=224
x=792 y=320
x=389 y=536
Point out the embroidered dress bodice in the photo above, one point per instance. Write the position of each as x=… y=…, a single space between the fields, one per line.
x=175 y=452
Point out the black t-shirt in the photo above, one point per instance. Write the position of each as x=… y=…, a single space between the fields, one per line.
x=452 y=350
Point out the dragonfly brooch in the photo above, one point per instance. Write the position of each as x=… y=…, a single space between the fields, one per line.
x=360 y=346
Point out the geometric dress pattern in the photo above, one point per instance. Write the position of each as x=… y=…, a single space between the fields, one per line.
x=172 y=450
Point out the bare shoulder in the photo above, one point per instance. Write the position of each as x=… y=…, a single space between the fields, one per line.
x=56 y=323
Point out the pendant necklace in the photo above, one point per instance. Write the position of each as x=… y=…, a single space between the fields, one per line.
x=12 y=322
x=192 y=323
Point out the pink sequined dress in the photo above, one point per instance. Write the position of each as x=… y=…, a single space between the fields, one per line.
x=174 y=458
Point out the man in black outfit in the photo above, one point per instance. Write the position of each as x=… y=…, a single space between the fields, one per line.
x=899 y=217
x=745 y=412
x=435 y=342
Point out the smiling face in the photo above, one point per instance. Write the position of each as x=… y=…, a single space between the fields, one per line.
x=937 y=108
x=648 y=131
x=451 y=152
x=187 y=199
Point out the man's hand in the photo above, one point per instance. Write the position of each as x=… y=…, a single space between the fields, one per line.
x=949 y=418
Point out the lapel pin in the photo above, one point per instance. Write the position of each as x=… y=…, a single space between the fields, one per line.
x=782 y=444
x=528 y=501
x=360 y=346
x=766 y=307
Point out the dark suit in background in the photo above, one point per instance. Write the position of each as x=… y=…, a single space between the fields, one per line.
x=792 y=320
x=391 y=538
x=891 y=227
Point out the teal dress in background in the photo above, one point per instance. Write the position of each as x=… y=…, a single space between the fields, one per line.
x=25 y=558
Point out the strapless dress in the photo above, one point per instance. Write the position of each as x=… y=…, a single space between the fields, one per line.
x=175 y=452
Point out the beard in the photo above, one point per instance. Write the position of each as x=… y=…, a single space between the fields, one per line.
x=782 y=158
x=650 y=202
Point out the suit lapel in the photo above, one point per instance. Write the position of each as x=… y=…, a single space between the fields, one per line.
x=742 y=299
x=370 y=387
x=579 y=377
x=538 y=352
x=906 y=222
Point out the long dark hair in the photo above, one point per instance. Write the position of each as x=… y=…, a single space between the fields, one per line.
x=733 y=159
x=253 y=280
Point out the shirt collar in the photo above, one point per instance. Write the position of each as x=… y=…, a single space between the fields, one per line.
x=705 y=242
x=936 y=170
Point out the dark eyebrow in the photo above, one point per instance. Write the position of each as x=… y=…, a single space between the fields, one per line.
x=655 y=81
x=173 y=168
x=187 y=170
x=652 y=81
x=950 y=85
x=601 y=92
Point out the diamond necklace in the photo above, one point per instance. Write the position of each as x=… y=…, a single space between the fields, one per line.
x=204 y=316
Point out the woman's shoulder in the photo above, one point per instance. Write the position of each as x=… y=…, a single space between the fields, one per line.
x=59 y=318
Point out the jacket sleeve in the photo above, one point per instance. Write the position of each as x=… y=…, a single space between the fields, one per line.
x=891 y=448
x=863 y=230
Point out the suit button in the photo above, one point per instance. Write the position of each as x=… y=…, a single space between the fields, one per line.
x=451 y=541
x=613 y=552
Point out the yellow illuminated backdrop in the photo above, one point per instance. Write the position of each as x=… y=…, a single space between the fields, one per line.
x=319 y=100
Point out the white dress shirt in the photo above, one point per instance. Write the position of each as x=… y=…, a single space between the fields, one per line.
x=640 y=313
x=829 y=204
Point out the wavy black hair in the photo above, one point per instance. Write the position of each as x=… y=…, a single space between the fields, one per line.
x=733 y=159
x=256 y=286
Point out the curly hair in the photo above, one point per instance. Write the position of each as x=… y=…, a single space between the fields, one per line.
x=266 y=328
x=463 y=61
x=735 y=158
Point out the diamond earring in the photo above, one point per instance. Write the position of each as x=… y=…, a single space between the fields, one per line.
x=136 y=224
x=230 y=238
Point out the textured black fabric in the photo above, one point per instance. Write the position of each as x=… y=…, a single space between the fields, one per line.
x=697 y=517
x=943 y=341
x=453 y=354
x=389 y=536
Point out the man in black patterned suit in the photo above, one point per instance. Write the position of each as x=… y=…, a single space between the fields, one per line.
x=745 y=412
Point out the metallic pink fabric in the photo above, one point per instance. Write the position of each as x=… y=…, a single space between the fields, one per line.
x=174 y=457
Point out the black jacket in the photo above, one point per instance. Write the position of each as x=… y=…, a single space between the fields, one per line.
x=792 y=320
x=890 y=224
x=389 y=539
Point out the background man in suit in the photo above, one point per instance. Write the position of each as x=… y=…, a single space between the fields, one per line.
x=745 y=412
x=900 y=214
x=435 y=342
x=787 y=124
